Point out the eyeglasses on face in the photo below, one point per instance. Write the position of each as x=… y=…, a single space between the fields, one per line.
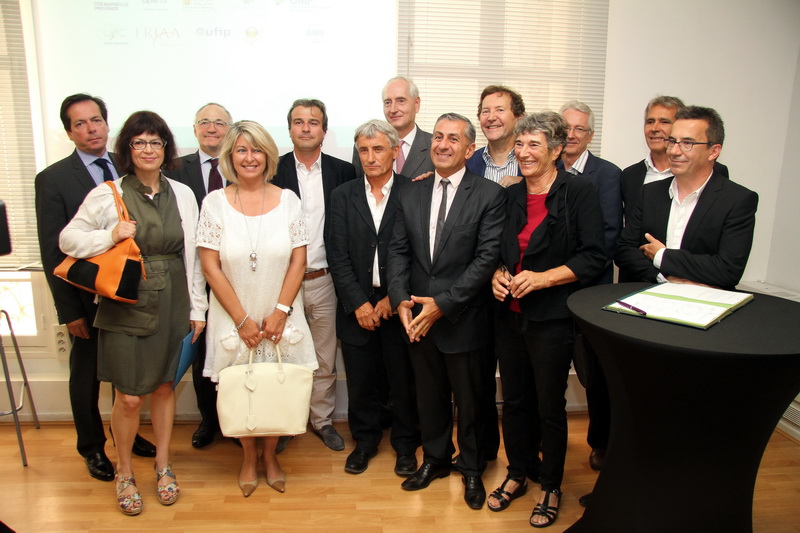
x=686 y=146
x=156 y=144
x=205 y=123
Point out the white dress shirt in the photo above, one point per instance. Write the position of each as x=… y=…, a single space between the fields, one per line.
x=377 y=209
x=312 y=196
x=405 y=146
x=436 y=201
x=653 y=174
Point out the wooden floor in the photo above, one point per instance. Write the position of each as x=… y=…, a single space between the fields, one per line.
x=55 y=493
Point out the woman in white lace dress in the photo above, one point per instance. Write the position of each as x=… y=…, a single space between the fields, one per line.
x=252 y=240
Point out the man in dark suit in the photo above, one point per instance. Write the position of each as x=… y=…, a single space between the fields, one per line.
x=659 y=115
x=60 y=191
x=698 y=226
x=199 y=171
x=400 y=107
x=362 y=217
x=444 y=249
x=313 y=175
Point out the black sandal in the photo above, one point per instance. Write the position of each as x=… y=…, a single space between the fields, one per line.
x=545 y=509
x=504 y=497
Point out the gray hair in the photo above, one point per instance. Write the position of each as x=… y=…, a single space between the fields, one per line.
x=370 y=129
x=670 y=102
x=579 y=106
x=230 y=118
x=413 y=91
x=469 y=129
x=551 y=124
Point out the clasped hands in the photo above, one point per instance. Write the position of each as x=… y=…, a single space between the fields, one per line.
x=418 y=327
x=271 y=328
x=369 y=317
x=527 y=281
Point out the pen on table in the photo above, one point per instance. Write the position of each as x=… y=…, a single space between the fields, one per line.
x=632 y=308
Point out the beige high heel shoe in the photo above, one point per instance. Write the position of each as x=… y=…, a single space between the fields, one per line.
x=248 y=487
x=277 y=483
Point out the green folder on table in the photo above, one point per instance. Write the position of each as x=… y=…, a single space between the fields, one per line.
x=681 y=303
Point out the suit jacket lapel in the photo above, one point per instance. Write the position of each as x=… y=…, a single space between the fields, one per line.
x=416 y=154
x=391 y=204
x=426 y=197
x=462 y=194
x=362 y=206
x=704 y=203
x=82 y=173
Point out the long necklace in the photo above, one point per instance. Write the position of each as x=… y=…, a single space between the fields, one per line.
x=253 y=247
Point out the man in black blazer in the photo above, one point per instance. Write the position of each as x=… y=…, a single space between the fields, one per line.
x=60 y=191
x=313 y=176
x=444 y=249
x=362 y=218
x=698 y=226
x=400 y=107
x=199 y=171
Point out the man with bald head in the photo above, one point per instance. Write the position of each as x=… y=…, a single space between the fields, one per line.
x=200 y=172
x=401 y=104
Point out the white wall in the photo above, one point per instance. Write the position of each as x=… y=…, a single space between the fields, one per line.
x=737 y=56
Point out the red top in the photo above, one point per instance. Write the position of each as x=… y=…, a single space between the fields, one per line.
x=537 y=211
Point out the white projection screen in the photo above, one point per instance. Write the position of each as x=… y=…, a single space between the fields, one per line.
x=253 y=56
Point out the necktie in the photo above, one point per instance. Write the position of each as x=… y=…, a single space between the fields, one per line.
x=440 y=218
x=102 y=163
x=214 y=177
x=401 y=159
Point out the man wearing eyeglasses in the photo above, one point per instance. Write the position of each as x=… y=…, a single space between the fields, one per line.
x=60 y=191
x=200 y=172
x=698 y=226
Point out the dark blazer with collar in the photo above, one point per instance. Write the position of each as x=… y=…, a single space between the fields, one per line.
x=350 y=249
x=458 y=276
x=334 y=173
x=477 y=165
x=188 y=172
x=418 y=161
x=605 y=176
x=717 y=241
x=633 y=180
x=60 y=191
x=571 y=234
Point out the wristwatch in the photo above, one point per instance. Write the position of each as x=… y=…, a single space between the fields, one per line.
x=285 y=308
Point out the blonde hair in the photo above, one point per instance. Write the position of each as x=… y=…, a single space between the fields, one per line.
x=258 y=137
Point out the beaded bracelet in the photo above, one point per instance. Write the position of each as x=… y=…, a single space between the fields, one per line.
x=246 y=316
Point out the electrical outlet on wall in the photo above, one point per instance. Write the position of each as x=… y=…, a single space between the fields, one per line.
x=63 y=342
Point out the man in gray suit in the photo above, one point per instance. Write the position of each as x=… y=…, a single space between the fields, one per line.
x=199 y=171
x=400 y=107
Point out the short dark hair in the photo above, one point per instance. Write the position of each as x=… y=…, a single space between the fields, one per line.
x=69 y=101
x=469 y=128
x=309 y=102
x=715 y=133
x=517 y=105
x=138 y=123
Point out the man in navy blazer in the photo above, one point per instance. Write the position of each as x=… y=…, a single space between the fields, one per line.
x=199 y=171
x=313 y=176
x=401 y=103
x=697 y=227
x=444 y=249
x=60 y=191
x=375 y=354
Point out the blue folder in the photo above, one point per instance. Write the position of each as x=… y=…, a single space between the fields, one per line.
x=188 y=354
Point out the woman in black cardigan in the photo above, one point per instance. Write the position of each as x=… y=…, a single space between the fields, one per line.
x=552 y=246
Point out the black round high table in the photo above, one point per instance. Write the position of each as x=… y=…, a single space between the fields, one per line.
x=691 y=412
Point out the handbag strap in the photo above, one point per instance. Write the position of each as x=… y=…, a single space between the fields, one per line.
x=122 y=209
x=277 y=351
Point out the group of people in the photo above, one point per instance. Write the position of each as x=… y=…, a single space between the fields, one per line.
x=429 y=260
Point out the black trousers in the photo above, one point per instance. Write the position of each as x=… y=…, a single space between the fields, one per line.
x=383 y=360
x=599 y=405
x=84 y=392
x=441 y=377
x=204 y=389
x=534 y=366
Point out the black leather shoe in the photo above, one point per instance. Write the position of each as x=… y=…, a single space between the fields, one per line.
x=143 y=447
x=405 y=465
x=99 y=466
x=331 y=438
x=474 y=493
x=203 y=435
x=423 y=477
x=597 y=458
x=358 y=461
x=585 y=499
